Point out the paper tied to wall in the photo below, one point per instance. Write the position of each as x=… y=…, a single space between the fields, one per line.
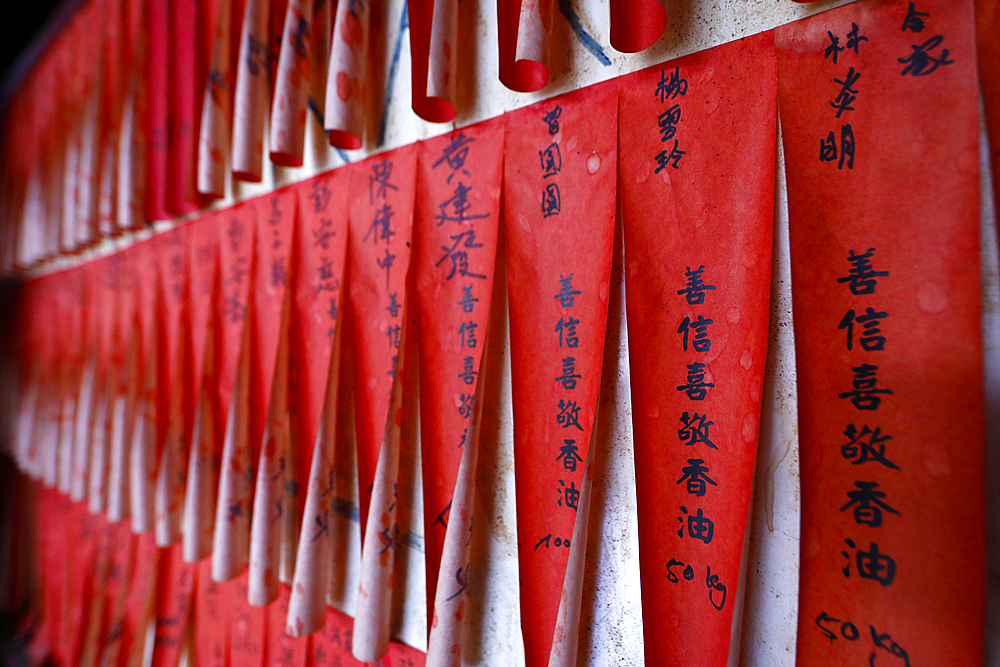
x=697 y=265
x=378 y=252
x=883 y=203
x=315 y=331
x=559 y=212
x=456 y=222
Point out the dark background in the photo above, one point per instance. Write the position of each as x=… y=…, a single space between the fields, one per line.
x=24 y=20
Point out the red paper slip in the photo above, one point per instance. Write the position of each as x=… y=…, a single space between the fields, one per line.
x=559 y=213
x=230 y=540
x=456 y=222
x=214 y=139
x=698 y=267
x=291 y=89
x=248 y=626
x=211 y=619
x=251 y=95
x=282 y=650
x=433 y=46
x=378 y=254
x=636 y=24
x=140 y=604
x=184 y=90
x=883 y=199
x=126 y=384
x=174 y=588
x=105 y=302
x=320 y=251
x=347 y=76
x=158 y=109
x=334 y=642
x=988 y=49
x=144 y=454
x=523 y=43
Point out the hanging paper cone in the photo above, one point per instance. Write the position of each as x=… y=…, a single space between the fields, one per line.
x=125 y=381
x=269 y=419
x=206 y=428
x=558 y=291
x=112 y=98
x=320 y=252
x=251 y=92
x=230 y=539
x=291 y=88
x=988 y=51
x=174 y=588
x=433 y=41
x=143 y=448
x=105 y=301
x=523 y=32
x=322 y=23
x=84 y=381
x=140 y=604
x=378 y=261
x=174 y=394
x=455 y=234
x=214 y=139
x=347 y=76
x=636 y=24
x=130 y=201
x=158 y=109
x=88 y=179
x=73 y=350
x=211 y=619
x=248 y=626
x=884 y=237
x=696 y=437
x=181 y=195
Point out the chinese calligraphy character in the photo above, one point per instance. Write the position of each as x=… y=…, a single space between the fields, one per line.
x=828 y=147
x=569 y=375
x=696 y=476
x=386 y=263
x=393 y=334
x=322 y=234
x=667 y=88
x=868 y=504
x=465 y=405
x=876 y=566
x=701 y=342
x=668 y=122
x=381 y=229
x=378 y=181
x=468 y=374
x=460 y=258
x=552 y=119
x=569 y=414
x=459 y=202
x=468 y=301
x=847 y=95
x=279 y=272
x=914 y=20
x=712 y=581
x=696 y=387
x=695 y=289
x=862 y=450
x=551 y=203
x=854 y=38
x=468 y=333
x=698 y=526
x=394 y=305
x=695 y=429
x=568 y=455
x=567 y=326
x=454 y=155
x=551 y=160
x=870 y=339
x=320 y=195
x=865 y=395
x=568 y=493
x=833 y=49
x=673 y=157
x=566 y=292
x=862 y=276
x=922 y=63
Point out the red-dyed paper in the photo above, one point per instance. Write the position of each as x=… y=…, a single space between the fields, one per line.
x=378 y=252
x=270 y=428
x=291 y=88
x=230 y=540
x=144 y=429
x=252 y=92
x=283 y=650
x=125 y=376
x=636 y=24
x=320 y=253
x=347 y=76
x=211 y=623
x=988 y=50
x=523 y=33
x=215 y=137
x=174 y=588
x=84 y=372
x=140 y=604
x=174 y=394
x=698 y=264
x=206 y=430
x=119 y=582
x=105 y=303
x=559 y=212
x=248 y=626
x=456 y=221
x=885 y=270
x=433 y=45
x=158 y=109
x=334 y=642
x=181 y=197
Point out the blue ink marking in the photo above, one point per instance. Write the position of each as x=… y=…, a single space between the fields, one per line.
x=319 y=119
x=404 y=23
x=588 y=42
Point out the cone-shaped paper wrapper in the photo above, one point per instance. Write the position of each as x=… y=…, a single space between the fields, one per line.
x=523 y=32
x=125 y=384
x=884 y=229
x=269 y=420
x=433 y=46
x=252 y=92
x=211 y=619
x=636 y=24
x=560 y=182
x=459 y=177
x=181 y=195
x=378 y=251
x=347 y=76
x=142 y=462
x=206 y=429
x=215 y=138
x=232 y=514
x=291 y=88
x=106 y=301
x=174 y=588
x=315 y=331
x=698 y=388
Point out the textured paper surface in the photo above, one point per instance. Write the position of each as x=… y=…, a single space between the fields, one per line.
x=636 y=24
x=347 y=76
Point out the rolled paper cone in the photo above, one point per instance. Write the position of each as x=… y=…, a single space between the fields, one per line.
x=558 y=293
x=523 y=32
x=131 y=181
x=181 y=195
x=636 y=24
x=211 y=619
x=122 y=423
x=892 y=510
x=105 y=301
x=987 y=24
x=347 y=76
x=89 y=170
x=291 y=90
x=708 y=313
x=142 y=459
x=175 y=588
x=157 y=110
x=322 y=38
x=202 y=475
x=106 y=214
x=67 y=239
x=216 y=111
x=433 y=39
x=80 y=456
x=252 y=92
